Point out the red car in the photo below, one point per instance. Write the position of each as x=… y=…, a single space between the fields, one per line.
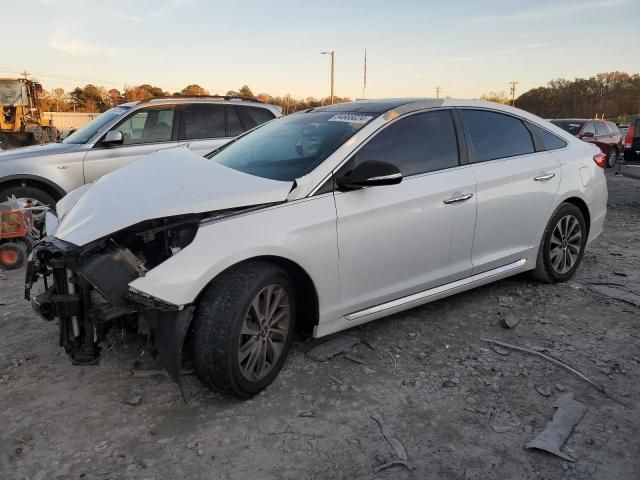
x=603 y=133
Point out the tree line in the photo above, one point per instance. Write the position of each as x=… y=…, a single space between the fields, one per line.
x=92 y=98
x=614 y=95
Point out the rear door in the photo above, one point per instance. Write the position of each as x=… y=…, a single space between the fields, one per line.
x=517 y=187
x=401 y=239
x=145 y=131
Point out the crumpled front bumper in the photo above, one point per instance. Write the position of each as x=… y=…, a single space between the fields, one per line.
x=87 y=290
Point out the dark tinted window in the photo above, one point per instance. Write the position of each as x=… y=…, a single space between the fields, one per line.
x=571 y=126
x=495 y=135
x=420 y=143
x=548 y=140
x=234 y=127
x=589 y=128
x=254 y=116
x=203 y=121
x=601 y=129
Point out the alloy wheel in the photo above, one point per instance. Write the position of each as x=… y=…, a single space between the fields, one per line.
x=264 y=332
x=565 y=244
x=611 y=158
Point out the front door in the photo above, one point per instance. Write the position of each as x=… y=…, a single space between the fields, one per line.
x=401 y=239
x=144 y=131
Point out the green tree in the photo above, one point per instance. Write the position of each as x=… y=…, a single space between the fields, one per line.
x=194 y=90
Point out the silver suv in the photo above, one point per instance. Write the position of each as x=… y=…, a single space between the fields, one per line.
x=45 y=173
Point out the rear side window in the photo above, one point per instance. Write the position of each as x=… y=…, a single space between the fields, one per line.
x=589 y=128
x=601 y=129
x=234 y=126
x=253 y=116
x=202 y=121
x=547 y=140
x=495 y=135
x=417 y=144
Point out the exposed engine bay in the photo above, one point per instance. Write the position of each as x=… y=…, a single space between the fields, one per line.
x=87 y=288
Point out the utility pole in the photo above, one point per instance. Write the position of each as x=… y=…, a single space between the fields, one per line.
x=25 y=74
x=513 y=93
x=333 y=57
x=438 y=91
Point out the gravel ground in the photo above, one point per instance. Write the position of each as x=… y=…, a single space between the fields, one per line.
x=459 y=408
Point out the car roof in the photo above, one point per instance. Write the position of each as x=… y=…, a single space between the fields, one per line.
x=228 y=100
x=368 y=106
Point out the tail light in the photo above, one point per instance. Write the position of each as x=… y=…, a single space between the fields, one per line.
x=628 y=140
x=600 y=159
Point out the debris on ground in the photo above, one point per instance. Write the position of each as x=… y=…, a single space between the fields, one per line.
x=393 y=442
x=557 y=361
x=543 y=390
x=332 y=348
x=509 y=319
x=505 y=301
x=568 y=414
x=620 y=292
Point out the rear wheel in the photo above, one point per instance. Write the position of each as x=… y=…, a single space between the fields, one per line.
x=612 y=158
x=12 y=255
x=243 y=327
x=562 y=245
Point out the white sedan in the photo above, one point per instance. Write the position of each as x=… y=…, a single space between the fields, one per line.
x=324 y=219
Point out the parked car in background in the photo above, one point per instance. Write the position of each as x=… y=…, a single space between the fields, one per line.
x=603 y=133
x=622 y=128
x=324 y=219
x=630 y=166
x=45 y=173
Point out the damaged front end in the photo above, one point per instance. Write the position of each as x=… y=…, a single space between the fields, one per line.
x=87 y=288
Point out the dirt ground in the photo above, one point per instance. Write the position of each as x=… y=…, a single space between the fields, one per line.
x=460 y=409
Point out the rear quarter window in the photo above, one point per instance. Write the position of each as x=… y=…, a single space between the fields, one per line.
x=546 y=139
x=253 y=116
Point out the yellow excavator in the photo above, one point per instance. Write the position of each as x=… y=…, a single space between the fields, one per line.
x=21 y=120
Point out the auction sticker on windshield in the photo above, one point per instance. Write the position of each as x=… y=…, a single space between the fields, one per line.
x=350 y=118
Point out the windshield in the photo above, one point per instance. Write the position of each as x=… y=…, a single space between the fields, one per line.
x=292 y=146
x=12 y=93
x=86 y=133
x=571 y=126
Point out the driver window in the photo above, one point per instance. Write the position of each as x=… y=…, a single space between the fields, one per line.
x=420 y=143
x=148 y=126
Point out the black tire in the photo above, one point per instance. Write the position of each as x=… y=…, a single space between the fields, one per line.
x=612 y=158
x=12 y=255
x=219 y=318
x=545 y=271
x=27 y=192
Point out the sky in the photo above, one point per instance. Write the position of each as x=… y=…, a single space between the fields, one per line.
x=467 y=48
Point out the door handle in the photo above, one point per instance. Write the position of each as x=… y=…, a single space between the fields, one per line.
x=460 y=198
x=544 y=177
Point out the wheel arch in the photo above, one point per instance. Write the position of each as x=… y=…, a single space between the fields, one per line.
x=33 y=181
x=583 y=207
x=305 y=288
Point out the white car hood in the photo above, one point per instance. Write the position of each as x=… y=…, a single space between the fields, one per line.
x=166 y=183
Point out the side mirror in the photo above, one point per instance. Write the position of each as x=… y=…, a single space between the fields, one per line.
x=587 y=135
x=114 y=137
x=370 y=173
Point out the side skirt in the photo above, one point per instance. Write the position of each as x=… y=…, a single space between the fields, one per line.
x=420 y=298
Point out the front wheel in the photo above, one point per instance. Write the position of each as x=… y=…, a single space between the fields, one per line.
x=562 y=245
x=243 y=327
